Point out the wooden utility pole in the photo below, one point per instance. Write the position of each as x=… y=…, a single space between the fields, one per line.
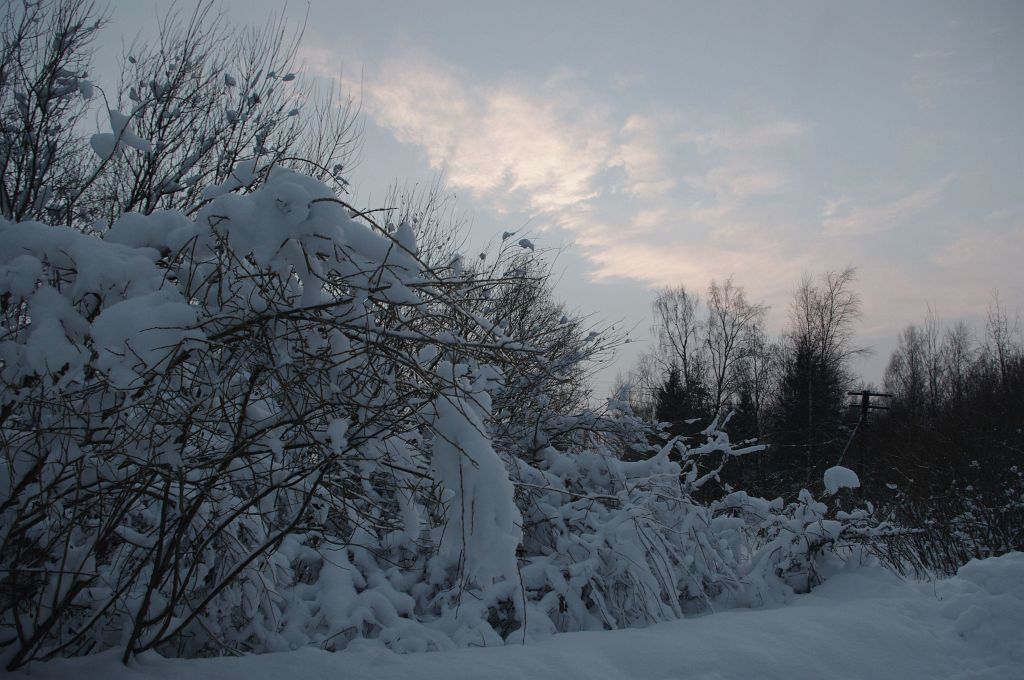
x=865 y=406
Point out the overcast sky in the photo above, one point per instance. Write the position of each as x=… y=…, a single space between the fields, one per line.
x=672 y=143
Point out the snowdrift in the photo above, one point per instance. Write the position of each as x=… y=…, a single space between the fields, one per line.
x=863 y=623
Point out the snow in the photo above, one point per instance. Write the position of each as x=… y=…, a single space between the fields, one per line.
x=482 y=534
x=120 y=123
x=838 y=477
x=863 y=623
x=406 y=238
x=142 y=334
x=108 y=144
x=97 y=273
x=104 y=144
x=86 y=89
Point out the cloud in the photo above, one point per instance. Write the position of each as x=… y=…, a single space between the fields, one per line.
x=634 y=199
x=323 y=61
x=933 y=54
x=729 y=137
x=666 y=264
x=644 y=156
x=845 y=217
x=984 y=252
x=502 y=142
x=765 y=271
x=739 y=181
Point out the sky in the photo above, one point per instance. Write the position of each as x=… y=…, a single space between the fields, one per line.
x=655 y=144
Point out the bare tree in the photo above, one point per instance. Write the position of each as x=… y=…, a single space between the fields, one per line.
x=906 y=376
x=1000 y=332
x=191 y=105
x=958 y=360
x=44 y=92
x=759 y=376
x=815 y=371
x=824 y=316
x=641 y=384
x=678 y=329
x=931 y=335
x=728 y=334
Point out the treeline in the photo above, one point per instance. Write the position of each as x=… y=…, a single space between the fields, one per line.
x=948 y=456
x=713 y=359
x=941 y=450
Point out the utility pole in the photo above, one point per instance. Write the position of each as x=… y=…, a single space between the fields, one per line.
x=865 y=406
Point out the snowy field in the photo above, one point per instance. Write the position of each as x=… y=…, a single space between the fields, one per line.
x=862 y=623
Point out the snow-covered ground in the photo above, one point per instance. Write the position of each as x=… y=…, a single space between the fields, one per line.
x=862 y=623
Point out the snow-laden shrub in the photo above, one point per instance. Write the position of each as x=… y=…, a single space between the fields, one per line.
x=612 y=544
x=272 y=425
x=192 y=406
x=797 y=541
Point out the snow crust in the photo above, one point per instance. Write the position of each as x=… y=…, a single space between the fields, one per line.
x=863 y=623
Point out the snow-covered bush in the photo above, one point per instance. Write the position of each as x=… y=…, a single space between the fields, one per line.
x=182 y=395
x=231 y=434
x=796 y=542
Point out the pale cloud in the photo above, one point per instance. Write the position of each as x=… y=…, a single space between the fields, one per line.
x=984 y=251
x=627 y=80
x=544 y=149
x=711 y=212
x=650 y=221
x=321 y=61
x=846 y=217
x=643 y=154
x=739 y=181
x=1012 y=213
x=729 y=137
x=695 y=263
x=589 y=231
x=933 y=54
x=730 y=209
x=938 y=75
x=420 y=105
x=505 y=143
